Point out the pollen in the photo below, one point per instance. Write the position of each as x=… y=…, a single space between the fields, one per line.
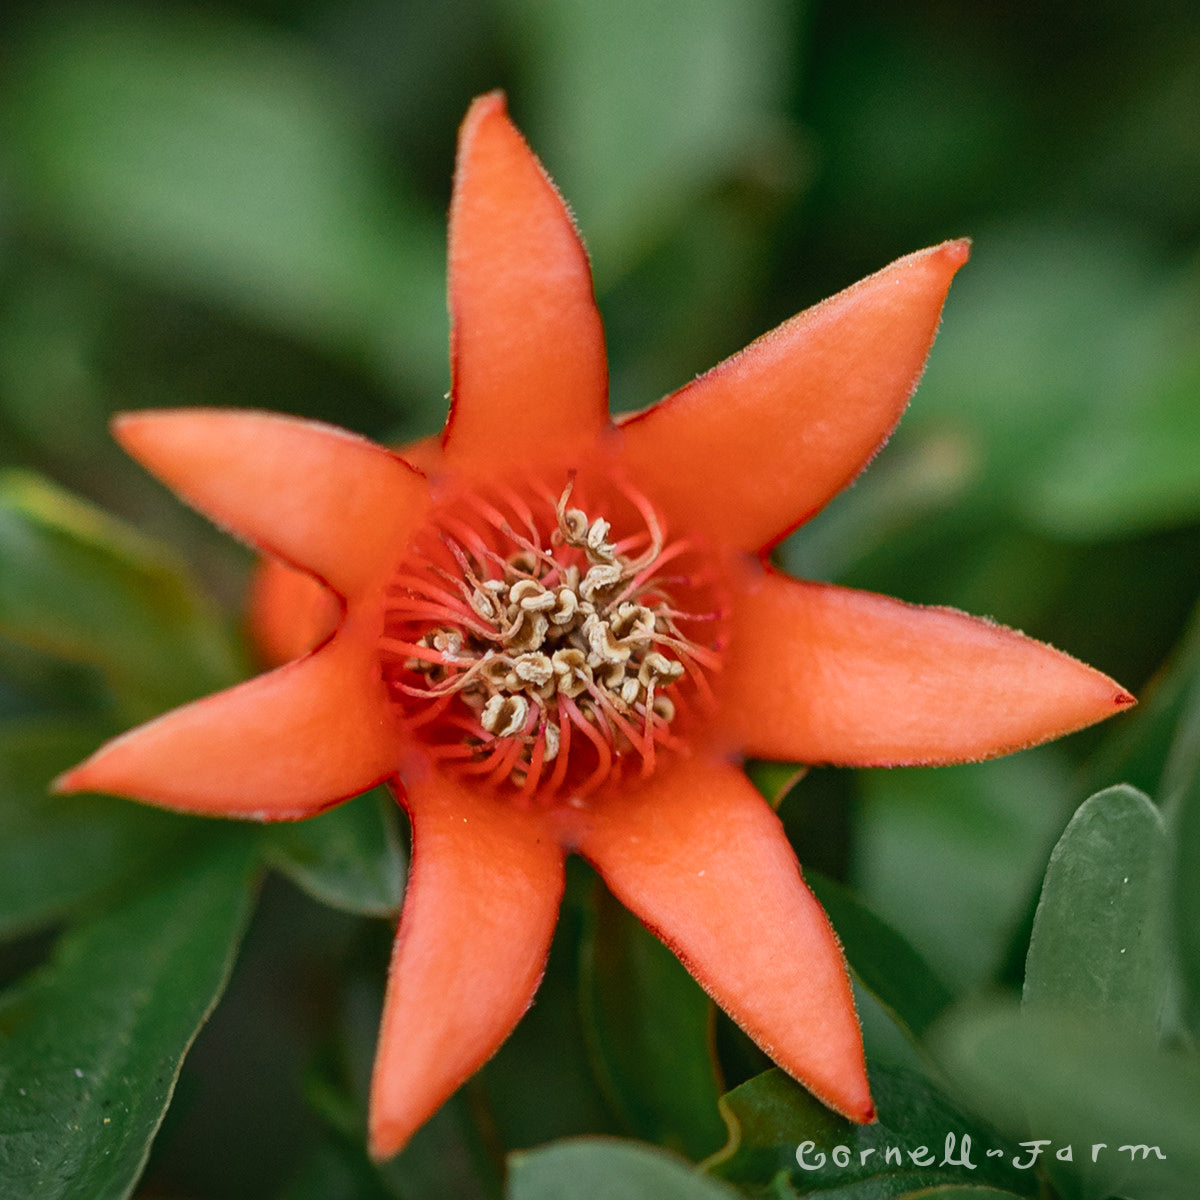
x=544 y=641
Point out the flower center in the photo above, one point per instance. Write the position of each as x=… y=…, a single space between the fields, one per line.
x=545 y=643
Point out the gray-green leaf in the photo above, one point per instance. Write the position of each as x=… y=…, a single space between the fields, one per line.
x=1097 y=942
x=607 y=1169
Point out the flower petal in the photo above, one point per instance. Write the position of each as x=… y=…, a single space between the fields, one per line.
x=755 y=447
x=286 y=744
x=425 y=455
x=317 y=496
x=289 y=613
x=698 y=855
x=482 y=901
x=527 y=347
x=823 y=674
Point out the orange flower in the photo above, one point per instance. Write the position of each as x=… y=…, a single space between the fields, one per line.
x=551 y=633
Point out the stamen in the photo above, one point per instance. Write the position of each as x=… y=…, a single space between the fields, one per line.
x=534 y=645
x=589 y=731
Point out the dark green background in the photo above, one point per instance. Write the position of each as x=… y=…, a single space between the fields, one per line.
x=244 y=204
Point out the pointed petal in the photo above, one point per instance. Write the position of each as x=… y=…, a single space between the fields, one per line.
x=425 y=455
x=823 y=674
x=289 y=613
x=286 y=744
x=319 y=497
x=759 y=444
x=527 y=347
x=699 y=856
x=482 y=901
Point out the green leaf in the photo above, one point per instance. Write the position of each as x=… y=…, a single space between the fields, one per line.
x=348 y=857
x=876 y=1188
x=446 y=1158
x=63 y=854
x=774 y=779
x=1156 y=747
x=216 y=158
x=952 y=858
x=606 y=1169
x=650 y=1030
x=78 y=584
x=331 y=1172
x=667 y=128
x=1041 y=1072
x=886 y=965
x=1048 y=338
x=1097 y=942
x=1187 y=896
x=33 y=683
x=1134 y=467
x=956 y=1192
x=449 y=1158
x=1073 y=350
x=636 y=126
x=771 y=1118
x=542 y=1085
x=90 y=1048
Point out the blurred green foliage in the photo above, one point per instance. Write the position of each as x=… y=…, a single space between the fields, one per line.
x=243 y=204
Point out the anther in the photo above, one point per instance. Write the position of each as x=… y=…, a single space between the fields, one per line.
x=606 y=647
x=533 y=668
x=566 y=605
x=657 y=668
x=521 y=632
x=529 y=632
x=504 y=715
x=483 y=604
x=599 y=577
x=573 y=525
x=571 y=671
x=529 y=595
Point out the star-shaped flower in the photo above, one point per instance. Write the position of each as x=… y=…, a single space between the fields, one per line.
x=550 y=632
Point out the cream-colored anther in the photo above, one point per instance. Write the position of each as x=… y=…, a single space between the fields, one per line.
x=597 y=545
x=573 y=525
x=503 y=716
x=448 y=642
x=566 y=605
x=657 y=668
x=528 y=634
x=483 y=604
x=493 y=670
x=571 y=671
x=604 y=646
x=613 y=676
x=633 y=623
x=550 y=625
x=534 y=668
x=529 y=595
x=599 y=577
